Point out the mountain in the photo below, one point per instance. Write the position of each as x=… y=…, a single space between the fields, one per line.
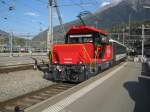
x=120 y=13
x=3 y=34
x=108 y=17
x=5 y=39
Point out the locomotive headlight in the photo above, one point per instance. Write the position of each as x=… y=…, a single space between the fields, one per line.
x=58 y=68
x=80 y=62
x=56 y=62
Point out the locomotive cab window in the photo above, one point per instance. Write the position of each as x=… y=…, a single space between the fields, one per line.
x=79 y=38
x=97 y=39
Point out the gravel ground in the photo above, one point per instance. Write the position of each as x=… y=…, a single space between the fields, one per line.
x=18 y=83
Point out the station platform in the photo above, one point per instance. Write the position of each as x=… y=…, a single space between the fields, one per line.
x=123 y=88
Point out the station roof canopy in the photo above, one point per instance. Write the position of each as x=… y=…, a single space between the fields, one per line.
x=85 y=30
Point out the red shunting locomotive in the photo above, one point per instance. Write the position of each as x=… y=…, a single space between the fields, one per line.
x=85 y=53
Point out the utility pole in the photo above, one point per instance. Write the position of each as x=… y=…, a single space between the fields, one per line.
x=143 y=39
x=129 y=28
x=11 y=44
x=118 y=37
x=28 y=43
x=50 y=29
x=41 y=31
x=123 y=36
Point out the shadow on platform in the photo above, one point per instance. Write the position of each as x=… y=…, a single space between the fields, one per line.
x=140 y=91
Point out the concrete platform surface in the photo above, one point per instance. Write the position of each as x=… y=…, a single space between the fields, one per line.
x=124 y=88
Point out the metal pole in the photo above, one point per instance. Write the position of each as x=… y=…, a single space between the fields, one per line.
x=11 y=44
x=123 y=36
x=50 y=30
x=129 y=28
x=143 y=27
x=26 y=42
x=29 y=48
x=118 y=37
x=41 y=30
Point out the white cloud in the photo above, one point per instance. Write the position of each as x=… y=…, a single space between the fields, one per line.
x=31 y=14
x=104 y=4
x=116 y=1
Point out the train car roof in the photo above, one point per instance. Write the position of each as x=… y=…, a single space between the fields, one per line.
x=85 y=29
x=111 y=40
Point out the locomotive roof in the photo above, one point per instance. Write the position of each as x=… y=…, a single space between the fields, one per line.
x=85 y=29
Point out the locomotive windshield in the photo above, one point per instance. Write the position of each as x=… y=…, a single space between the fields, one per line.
x=79 y=38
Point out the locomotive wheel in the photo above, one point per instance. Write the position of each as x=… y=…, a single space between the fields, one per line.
x=54 y=74
x=86 y=72
x=95 y=69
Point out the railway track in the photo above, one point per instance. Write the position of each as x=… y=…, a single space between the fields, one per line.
x=7 y=69
x=20 y=67
x=25 y=101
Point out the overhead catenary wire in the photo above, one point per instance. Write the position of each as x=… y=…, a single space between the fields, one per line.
x=6 y=18
x=65 y=5
x=19 y=23
x=82 y=8
x=3 y=2
x=41 y=1
x=7 y=7
x=25 y=21
x=59 y=17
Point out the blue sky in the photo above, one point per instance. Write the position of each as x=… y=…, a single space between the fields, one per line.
x=31 y=16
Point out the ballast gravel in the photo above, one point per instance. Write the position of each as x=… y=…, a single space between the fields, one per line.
x=18 y=83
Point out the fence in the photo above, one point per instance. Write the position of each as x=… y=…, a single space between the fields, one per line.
x=28 y=46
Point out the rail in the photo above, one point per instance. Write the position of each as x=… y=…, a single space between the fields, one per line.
x=20 y=103
x=21 y=66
